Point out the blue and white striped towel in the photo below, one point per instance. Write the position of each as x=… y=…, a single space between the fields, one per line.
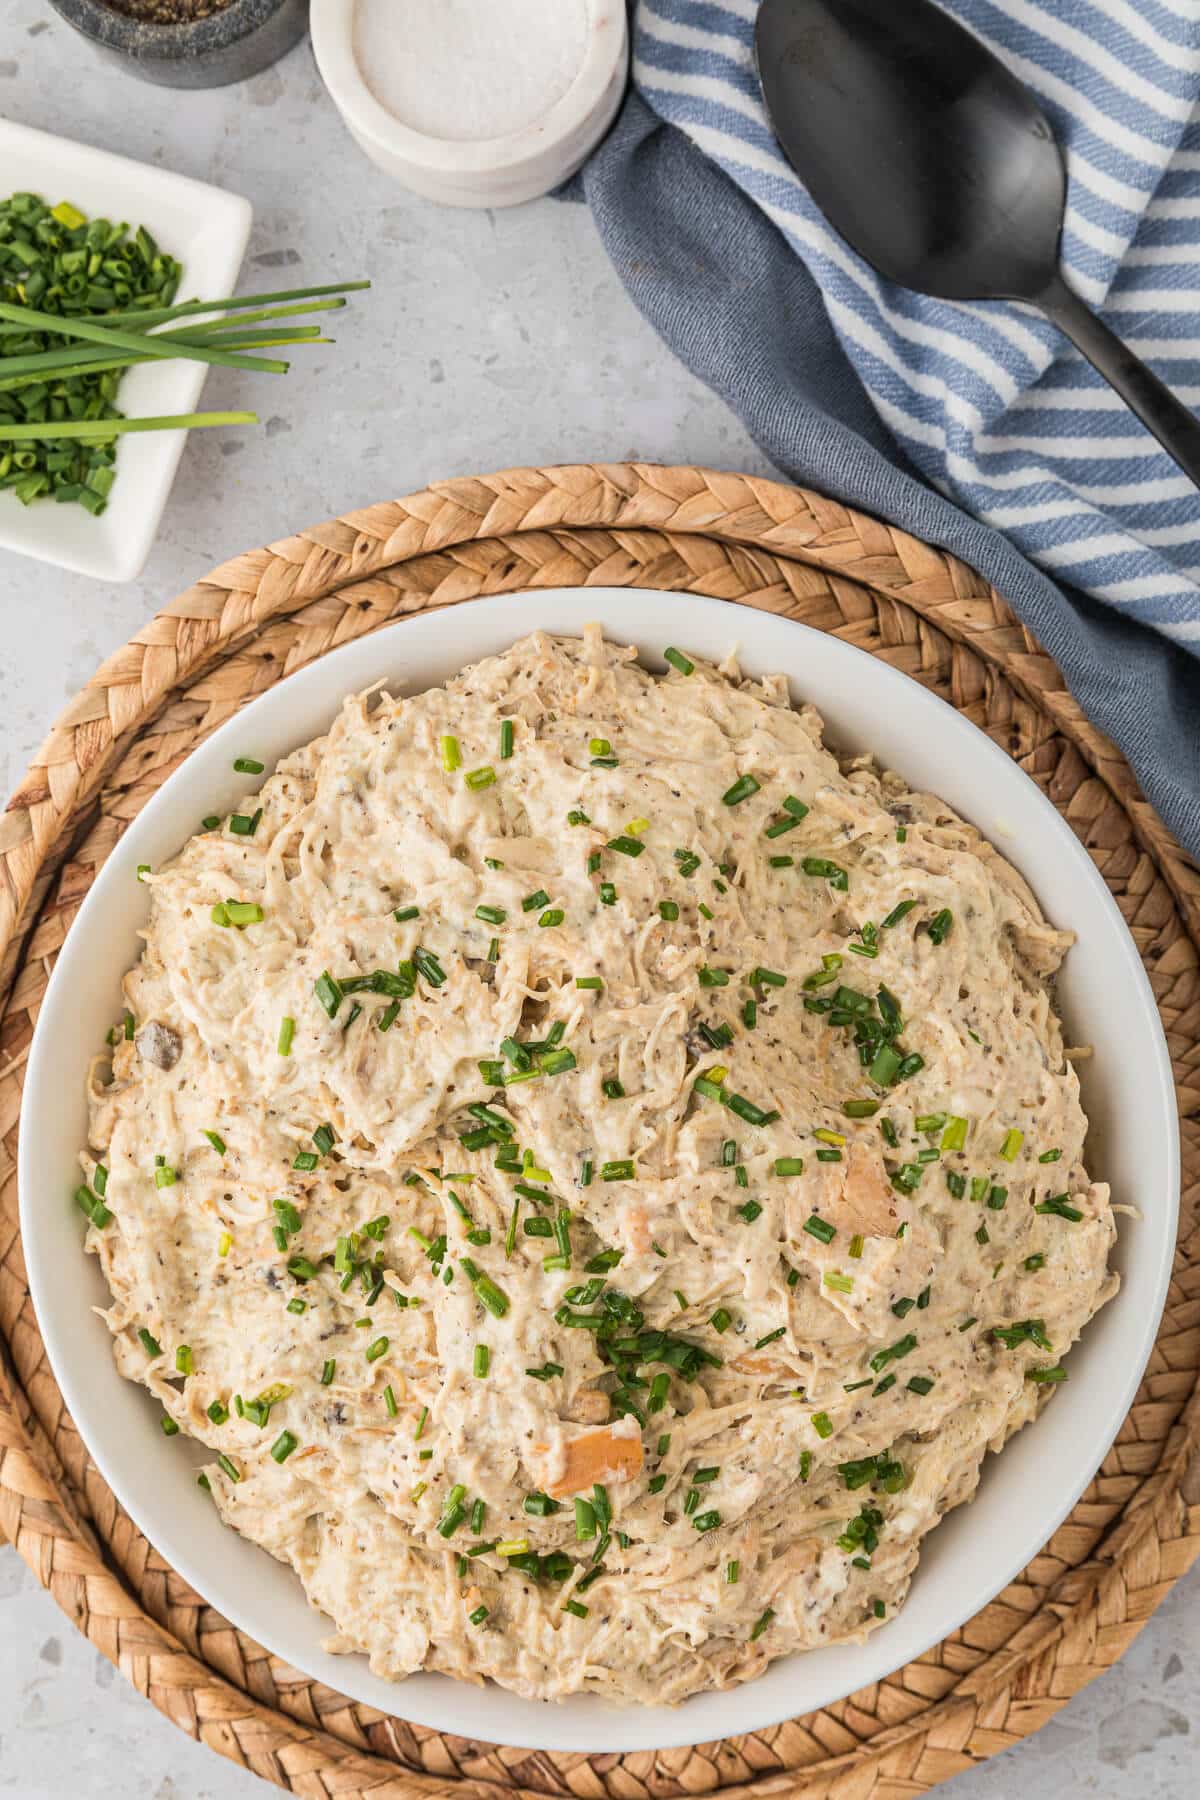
x=851 y=383
x=986 y=400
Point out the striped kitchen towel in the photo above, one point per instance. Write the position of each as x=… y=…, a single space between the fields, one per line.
x=857 y=385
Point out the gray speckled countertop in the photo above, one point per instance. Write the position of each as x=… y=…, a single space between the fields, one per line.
x=489 y=340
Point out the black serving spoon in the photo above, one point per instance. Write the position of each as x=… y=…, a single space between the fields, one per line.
x=940 y=169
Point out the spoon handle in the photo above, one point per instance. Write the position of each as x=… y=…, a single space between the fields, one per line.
x=1176 y=428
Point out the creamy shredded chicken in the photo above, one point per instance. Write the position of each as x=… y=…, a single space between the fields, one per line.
x=596 y=1172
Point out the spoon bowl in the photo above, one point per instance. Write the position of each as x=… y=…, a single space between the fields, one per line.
x=940 y=169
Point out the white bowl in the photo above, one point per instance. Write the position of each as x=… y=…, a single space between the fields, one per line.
x=1106 y=999
x=206 y=230
x=463 y=171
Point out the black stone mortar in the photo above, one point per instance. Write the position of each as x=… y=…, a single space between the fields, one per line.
x=229 y=45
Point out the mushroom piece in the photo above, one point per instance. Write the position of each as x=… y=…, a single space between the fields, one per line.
x=159 y=1045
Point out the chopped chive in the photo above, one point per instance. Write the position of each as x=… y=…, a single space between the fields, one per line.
x=403 y=913
x=533 y=901
x=621 y=1170
x=477 y=779
x=761 y=1624
x=328 y=1371
x=554 y=915
x=822 y=1424
x=491 y=915
x=506 y=739
x=451 y=754
x=1011 y=1145
x=283 y=1446
x=482 y=1360
x=1035 y=1262
x=164 y=1177
x=669 y=910
x=328 y=993
x=376 y=1349
x=789 y=1165
x=591 y=983
x=820 y=1228
x=1058 y=1373
x=248 y=765
x=741 y=790
x=1060 y=1206
x=229 y=1467
x=821 y=868
x=1050 y=1156
x=860 y=1109
x=678 y=660
x=939 y=926
x=897 y=913
x=245 y=825
x=626 y=846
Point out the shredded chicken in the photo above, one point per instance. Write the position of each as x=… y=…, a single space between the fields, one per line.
x=597 y=1173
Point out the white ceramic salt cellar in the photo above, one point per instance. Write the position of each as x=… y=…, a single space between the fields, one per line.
x=474 y=102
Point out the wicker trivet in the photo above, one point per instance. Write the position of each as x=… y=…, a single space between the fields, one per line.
x=1078 y=1605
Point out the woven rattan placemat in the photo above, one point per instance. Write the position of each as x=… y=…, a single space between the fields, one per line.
x=1137 y=1528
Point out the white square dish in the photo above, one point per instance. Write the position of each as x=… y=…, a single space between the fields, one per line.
x=1105 y=998
x=206 y=230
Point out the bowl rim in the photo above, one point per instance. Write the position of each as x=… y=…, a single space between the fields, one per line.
x=674 y=1727
x=332 y=24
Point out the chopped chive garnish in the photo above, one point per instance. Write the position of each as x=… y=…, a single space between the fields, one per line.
x=820 y=1228
x=1050 y=1156
x=600 y=746
x=761 y=1624
x=669 y=910
x=229 y=1467
x=1011 y=1145
x=328 y=992
x=954 y=1137
x=169 y=1427
x=821 y=868
x=554 y=915
x=1035 y=1262
x=328 y=1371
x=860 y=1109
x=245 y=825
x=183 y=1359
x=771 y=1338
x=533 y=901
x=592 y=983
x=482 y=1360
x=897 y=913
x=789 y=1165
x=296 y=1306
x=283 y=1446
x=721 y=1320
x=376 y=1349
x=678 y=660
x=939 y=926
x=477 y=779
x=893 y=1353
x=614 y=1090
x=822 y=1424
x=164 y=1177
x=451 y=754
x=621 y=1170
x=403 y=913
x=248 y=765
x=1060 y=1206
x=741 y=790
x=626 y=846
x=491 y=915
x=1058 y=1373
x=506 y=739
